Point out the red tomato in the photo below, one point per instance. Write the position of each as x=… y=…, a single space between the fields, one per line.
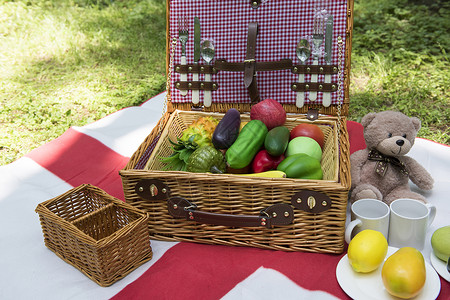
x=309 y=130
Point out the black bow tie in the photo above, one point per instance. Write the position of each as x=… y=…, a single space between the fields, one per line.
x=383 y=162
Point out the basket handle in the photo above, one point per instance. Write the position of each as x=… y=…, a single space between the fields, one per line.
x=277 y=214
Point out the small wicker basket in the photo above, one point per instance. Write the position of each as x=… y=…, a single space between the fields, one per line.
x=98 y=234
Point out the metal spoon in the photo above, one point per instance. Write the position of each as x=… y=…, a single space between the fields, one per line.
x=207 y=52
x=303 y=52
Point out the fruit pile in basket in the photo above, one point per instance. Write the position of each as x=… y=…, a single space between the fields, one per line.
x=403 y=273
x=262 y=147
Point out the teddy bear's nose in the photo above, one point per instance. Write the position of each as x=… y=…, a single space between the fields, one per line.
x=400 y=142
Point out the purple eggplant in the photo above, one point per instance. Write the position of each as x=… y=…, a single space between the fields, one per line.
x=227 y=130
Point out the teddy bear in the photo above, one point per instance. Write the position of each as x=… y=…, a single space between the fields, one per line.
x=382 y=170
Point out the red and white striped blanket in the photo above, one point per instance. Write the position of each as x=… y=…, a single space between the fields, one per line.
x=94 y=154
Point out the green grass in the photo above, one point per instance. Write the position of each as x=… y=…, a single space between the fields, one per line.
x=399 y=62
x=70 y=62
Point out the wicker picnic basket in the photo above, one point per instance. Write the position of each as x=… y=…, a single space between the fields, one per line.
x=101 y=236
x=229 y=209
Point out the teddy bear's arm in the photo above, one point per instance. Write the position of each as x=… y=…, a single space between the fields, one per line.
x=357 y=160
x=417 y=173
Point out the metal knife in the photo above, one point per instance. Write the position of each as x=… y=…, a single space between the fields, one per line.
x=197 y=37
x=328 y=52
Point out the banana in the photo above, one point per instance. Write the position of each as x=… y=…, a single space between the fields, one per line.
x=270 y=174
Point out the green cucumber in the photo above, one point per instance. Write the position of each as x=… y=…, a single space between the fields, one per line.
x=249 y=141
x=277 y=140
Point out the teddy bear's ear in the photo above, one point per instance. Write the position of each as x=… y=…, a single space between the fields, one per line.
x=416 y=122
x=367 y=119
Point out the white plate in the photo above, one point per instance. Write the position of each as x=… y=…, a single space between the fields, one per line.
x=370 y=285
x=440 y=266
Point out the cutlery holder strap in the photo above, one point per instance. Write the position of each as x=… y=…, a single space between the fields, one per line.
x=197 y=85
x=249 y=63
x=314 y=86
x=223 y=65
x=315 y=69
x=195 y=68
x=277 y=214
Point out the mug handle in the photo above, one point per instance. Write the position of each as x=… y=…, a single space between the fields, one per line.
x=350 y=227
x=432 y=213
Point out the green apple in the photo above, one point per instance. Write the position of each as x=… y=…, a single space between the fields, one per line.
x=440 y=242
x=303 y=144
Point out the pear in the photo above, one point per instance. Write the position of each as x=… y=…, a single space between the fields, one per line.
x=404 y=273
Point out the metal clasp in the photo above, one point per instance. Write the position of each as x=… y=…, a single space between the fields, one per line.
x=311 y=202
x=192 y=206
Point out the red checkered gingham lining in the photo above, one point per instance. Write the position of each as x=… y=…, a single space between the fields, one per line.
x=281 y=23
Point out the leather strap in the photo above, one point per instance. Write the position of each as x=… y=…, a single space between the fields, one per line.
x=314 y=86
x=250 y=63
x=277 y=214
x=195 y=68
x=196 y=85
x=315 y=69
x=223 y=65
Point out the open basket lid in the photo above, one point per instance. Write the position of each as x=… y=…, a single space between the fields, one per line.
x=280 y=26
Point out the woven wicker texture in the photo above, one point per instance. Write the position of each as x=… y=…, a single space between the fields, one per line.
x=234 y=194
x=98 y=234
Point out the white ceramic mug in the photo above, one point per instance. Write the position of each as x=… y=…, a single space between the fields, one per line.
x=410 y=220
x=368 y=214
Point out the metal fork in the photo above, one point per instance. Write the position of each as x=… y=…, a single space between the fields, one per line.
x=183 y=36
x=317 y=39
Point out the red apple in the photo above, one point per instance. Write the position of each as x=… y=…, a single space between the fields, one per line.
x=270 y=112
x=309 y=130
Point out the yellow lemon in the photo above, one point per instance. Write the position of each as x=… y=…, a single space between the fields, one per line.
x=367 y=250
x=404 y=273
